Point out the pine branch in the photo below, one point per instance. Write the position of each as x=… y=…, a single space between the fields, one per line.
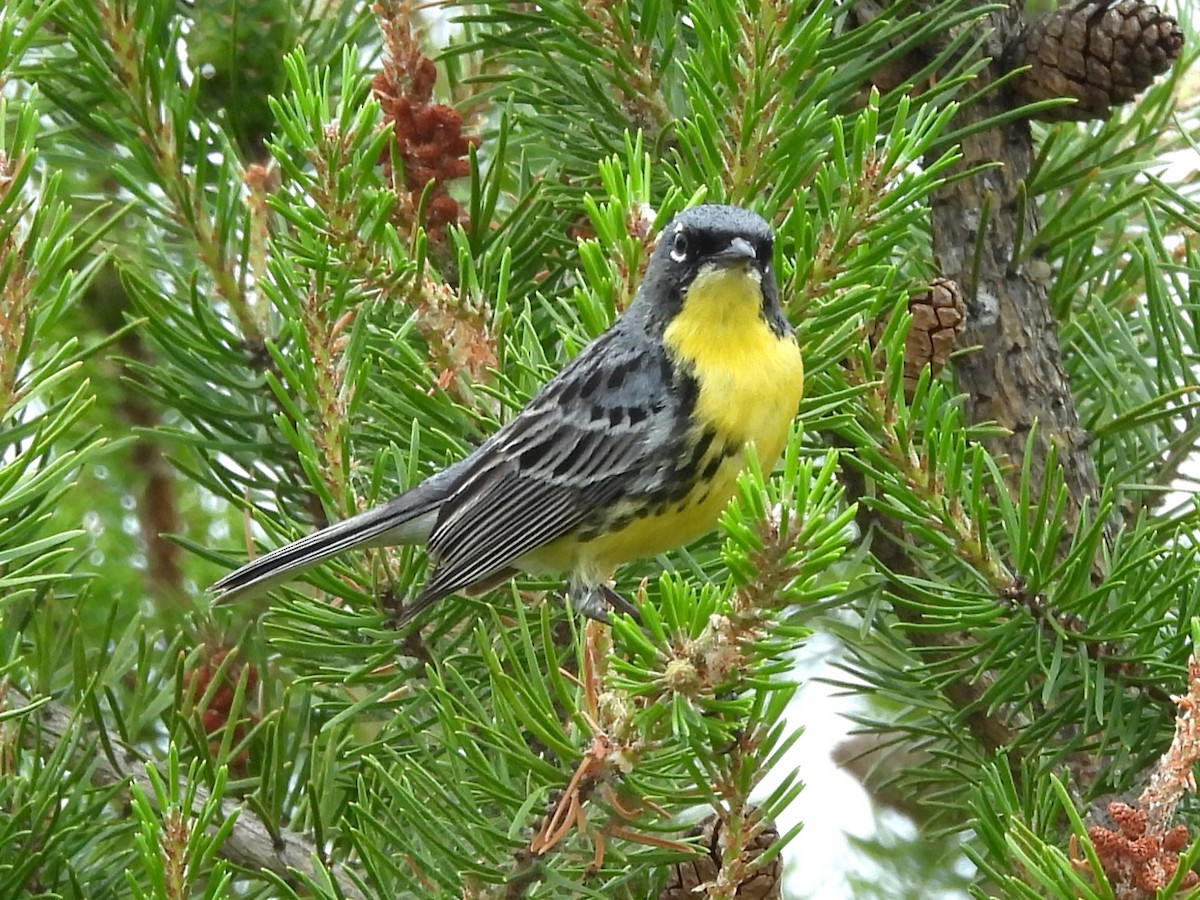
x=889 y=547
x=411 y=291
x=1014 y=376
x=251 y=843
x=161 y=113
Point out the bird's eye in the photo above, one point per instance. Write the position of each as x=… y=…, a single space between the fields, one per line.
x=679 y=248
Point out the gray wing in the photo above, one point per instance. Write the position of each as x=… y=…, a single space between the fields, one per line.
x=609 y=427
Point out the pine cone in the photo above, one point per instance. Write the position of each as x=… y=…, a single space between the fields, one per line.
x=937 y=318
x=688 y=878
x=1100 y=53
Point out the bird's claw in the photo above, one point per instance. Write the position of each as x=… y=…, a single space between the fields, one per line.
x=596 y=601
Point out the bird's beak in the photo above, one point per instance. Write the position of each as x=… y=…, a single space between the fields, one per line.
x=739 y=251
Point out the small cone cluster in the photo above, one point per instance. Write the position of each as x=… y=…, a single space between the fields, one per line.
x=1137 y=859
x=218 y=713
x=430 y=145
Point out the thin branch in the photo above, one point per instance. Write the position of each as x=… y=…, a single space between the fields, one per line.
x=251 y=845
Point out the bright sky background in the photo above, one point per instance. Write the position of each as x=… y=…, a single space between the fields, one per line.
x=833 y=804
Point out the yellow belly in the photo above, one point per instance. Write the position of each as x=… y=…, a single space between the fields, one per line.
x=751 y=381
x=680 y=523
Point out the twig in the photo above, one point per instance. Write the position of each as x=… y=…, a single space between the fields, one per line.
x=251 y=845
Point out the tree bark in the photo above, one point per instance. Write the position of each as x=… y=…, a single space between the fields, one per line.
x=1013 y=375
x=1012 y=371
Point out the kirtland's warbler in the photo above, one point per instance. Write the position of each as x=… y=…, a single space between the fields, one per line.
x=631 y=450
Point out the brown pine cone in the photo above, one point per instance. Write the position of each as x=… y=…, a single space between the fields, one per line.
x=1102 y=54
x=766 y=883
x=938 y=316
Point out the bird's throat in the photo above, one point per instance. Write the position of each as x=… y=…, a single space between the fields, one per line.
x=750 y=376
x=720 y=303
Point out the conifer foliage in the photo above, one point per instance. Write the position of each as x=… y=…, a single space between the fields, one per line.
x=265 y=263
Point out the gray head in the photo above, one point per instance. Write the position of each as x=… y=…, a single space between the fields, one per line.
x=701 y=238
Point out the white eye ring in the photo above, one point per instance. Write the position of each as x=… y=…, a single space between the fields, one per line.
x=679 y=246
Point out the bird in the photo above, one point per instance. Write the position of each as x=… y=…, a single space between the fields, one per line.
x=631 y=450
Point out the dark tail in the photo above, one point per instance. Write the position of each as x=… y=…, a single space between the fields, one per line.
x=408 y=519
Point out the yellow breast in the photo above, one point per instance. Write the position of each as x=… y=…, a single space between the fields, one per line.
x=750 y=384
x=751 y=379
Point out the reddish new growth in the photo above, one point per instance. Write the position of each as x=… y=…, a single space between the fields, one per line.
x=1172 y=777
x=215 y=714
x=430 y=146
x=1141 y=855
x=1139 y=863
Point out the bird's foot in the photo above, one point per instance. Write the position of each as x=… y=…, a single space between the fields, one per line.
x=595 y=602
